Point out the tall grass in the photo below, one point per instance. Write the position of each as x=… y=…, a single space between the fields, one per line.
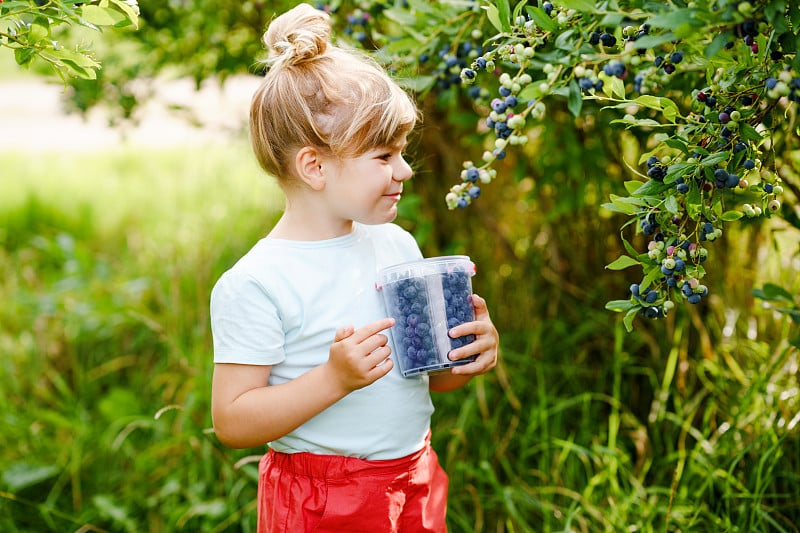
x=689 y=424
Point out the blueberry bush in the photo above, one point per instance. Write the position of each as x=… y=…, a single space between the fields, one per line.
x=709 y=89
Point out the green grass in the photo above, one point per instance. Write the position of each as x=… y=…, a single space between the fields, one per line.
x=688 y=424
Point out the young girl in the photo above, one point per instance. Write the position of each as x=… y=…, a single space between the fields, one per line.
x=302 y=359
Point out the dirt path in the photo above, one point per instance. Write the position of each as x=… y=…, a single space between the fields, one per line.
x=32 y=116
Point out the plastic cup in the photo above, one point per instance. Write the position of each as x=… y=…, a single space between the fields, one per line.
x=427 y=298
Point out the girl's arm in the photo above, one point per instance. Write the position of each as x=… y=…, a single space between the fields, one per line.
x=246 y=412
x=485 y=347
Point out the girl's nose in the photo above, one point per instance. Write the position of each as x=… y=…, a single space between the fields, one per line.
x=402 y=170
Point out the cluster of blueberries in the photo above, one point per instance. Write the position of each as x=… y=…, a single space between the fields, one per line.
x=723 y=179
x=647 y=296
x=413 y=332
x=452 y=62
x=649 y=224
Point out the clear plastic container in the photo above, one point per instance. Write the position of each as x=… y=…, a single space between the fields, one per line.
x=427 y=298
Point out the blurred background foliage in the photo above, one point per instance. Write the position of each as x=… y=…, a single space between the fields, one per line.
x=689 y=423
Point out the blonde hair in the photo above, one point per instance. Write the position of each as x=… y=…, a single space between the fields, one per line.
x=320 y=95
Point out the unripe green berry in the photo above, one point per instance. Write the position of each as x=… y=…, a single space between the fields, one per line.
x=745 y=8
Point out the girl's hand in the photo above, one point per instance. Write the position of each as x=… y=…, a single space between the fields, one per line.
x=485 y=345
x=361 y=357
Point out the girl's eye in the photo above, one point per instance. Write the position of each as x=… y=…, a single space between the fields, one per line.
x=385 y=157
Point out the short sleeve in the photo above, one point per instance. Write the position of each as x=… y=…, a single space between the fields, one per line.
x=245 y=323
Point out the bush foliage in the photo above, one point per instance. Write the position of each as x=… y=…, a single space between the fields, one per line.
x=592 y=421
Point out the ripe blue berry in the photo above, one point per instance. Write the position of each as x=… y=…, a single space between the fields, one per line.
x=585 y=84
x=474 y=191
x=498 y=105
x=676 y=57
x=607 y=39
x=473 y=174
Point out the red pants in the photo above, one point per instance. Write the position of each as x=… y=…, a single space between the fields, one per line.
x=305 y=492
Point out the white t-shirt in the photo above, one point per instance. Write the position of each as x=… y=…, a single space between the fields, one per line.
x=281 y=305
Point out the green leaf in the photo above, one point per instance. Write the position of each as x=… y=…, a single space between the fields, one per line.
x=677 y=170
x=505 y=14
x=528 y=92
x=617 y=208
x=749 y=133
x=730 y=216
x=637 y=122
x=717 y=43
x=18 y=476
x=401 y=16
x=541 y=19
x=584 y=6
x=773 y=292
x=651 y=41
x=620 y=305
x=613 y=87
x=622 y=262
x=23 y=56
x=417 y=84
x=651 y=188
x=650 y=276
x=494 y=16
x=39 y=30
x=670 y=109
x=671 y=205
x=675 y=19
x=575 y=99
x=628 y=320
x=715 y=159
x=101 y=16
x=131 y=10
x=632 y=186
x=647 y=100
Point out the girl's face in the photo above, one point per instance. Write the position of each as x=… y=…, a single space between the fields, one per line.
x=367 y=188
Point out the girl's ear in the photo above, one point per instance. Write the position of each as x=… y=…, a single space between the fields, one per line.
x=308 y=163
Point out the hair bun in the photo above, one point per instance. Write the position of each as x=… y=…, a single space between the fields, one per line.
x=299 y=35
